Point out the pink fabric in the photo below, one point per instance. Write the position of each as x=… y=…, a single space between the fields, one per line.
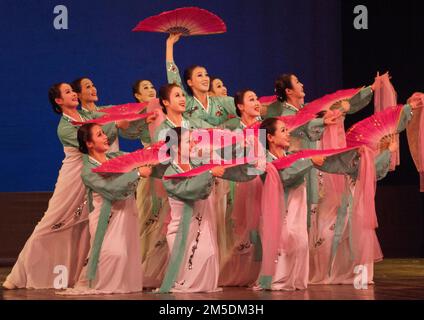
x=366 y=248
x=328 y=100
x=133 y=160
x=202 y=274
x=385 y=96
x=154 y=106
x=119 y=268
x=274 y=227
x=266 y=100
x=61 y=237
x=292 y=266
x=108 y=118
x=126 y=108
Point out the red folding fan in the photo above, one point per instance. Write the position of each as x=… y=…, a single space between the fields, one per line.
x=328 y=100
x=127 y=162
x=286 y=162
x=199 y=170
x=108 y=118
x=267 y=100
x=371 y=130
x=125 y=108
x=188 y=21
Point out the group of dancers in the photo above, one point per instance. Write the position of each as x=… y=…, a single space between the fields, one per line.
x=309 y=223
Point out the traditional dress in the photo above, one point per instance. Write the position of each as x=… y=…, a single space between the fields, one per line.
x=218 y=109
x=331 y=257
x=192 y=235
x=239 y=228
x=114 y=264
x=61 y=237
x=307 y=136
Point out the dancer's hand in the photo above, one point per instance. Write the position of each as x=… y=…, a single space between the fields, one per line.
x=318 y=160
x=330 y=118
x=145 y=172
x=152 y=117
x=173 y=38
x=122 y=124
x=374 y=85
x=218 y=171
x=393 y=146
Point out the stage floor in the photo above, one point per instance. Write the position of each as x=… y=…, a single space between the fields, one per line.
x=395 y=279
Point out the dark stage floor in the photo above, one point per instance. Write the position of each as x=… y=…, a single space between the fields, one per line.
x=395 y=279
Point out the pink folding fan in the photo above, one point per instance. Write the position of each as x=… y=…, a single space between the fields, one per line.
x=325 y=102
x=130 y=161
x=371 y=130
x=125 y=108
x=189 y=21
x=108 y=118
x=267 y=100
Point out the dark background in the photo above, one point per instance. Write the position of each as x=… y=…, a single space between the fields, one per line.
x=314 y=39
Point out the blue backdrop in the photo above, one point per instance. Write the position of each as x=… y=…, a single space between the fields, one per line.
x=264 y=38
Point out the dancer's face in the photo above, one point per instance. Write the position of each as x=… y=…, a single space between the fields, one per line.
x=88 y=92
x=199 y=80
x=281 y=137
x=218 y=89
x=146 y=91
x=68 y=98
x=297 y=91
x=99 y=141
x=251 y=106
x=177 y=100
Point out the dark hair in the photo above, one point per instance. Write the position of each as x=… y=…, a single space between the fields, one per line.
x=76 y=84
x=136 y=87
x=178 y=131
x=238 y=99
x=282 y=83
x=84 y=136
x=54 y=93
x=212 y=79
x=165 y=93
x=188 y=73
x=269 y=125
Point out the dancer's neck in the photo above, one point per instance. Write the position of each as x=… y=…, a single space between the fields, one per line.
x=248 y=120
x=175 y=118
x=202 y=97
x=295 y=102
x=99 y=156
x=277 y=151
x=90 y=106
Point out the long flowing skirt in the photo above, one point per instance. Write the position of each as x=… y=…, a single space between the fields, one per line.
x=61 y=237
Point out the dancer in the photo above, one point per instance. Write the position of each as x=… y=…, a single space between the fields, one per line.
x=239 y=233
x=191 y=235
x=61 y=236
x=292 y=265
x=214 y=110
x=217 y=88
x=332 y=259
x=114 y=264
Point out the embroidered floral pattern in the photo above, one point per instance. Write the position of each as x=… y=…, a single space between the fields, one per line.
x=57 y=225
x=319 y=242
x=194 y=247
x=78 y=212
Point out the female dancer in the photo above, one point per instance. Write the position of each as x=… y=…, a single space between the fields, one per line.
x=114 y=264
x=191 y=235
x=217 y=88
x=214 y=110
x=292 y=263
x=331 y=261
x=240 y=262
x=54 y=241
x=87 y=95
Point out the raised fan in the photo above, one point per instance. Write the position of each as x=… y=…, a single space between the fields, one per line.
x=371 y=130
x=188 y=21
x=108 y=118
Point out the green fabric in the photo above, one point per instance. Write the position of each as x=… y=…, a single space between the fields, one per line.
x=405 y=117
x=178 y=250
x=255 y=238
x=360 y=100
x=265 y=282
x=98 y=240
x=219 y=108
